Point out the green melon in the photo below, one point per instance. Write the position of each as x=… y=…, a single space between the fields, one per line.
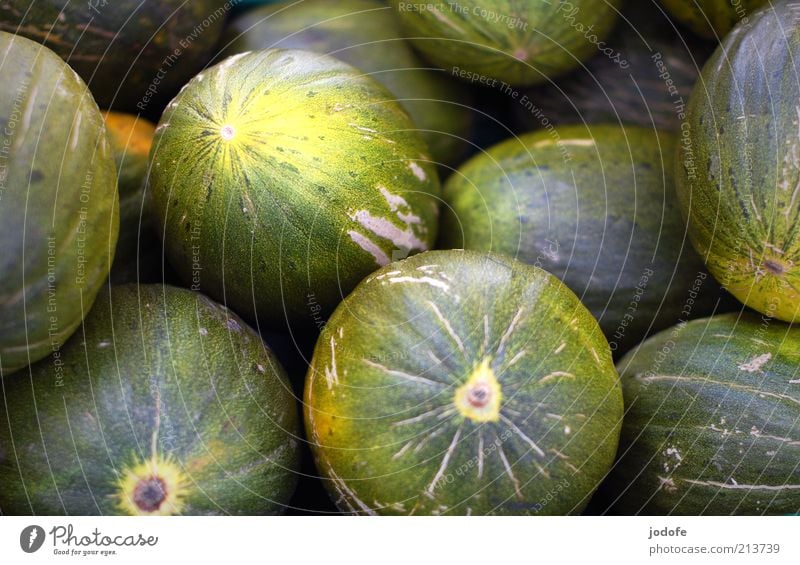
x=518 y=42
x=594 y=206
x=482 y=387
x=711 y=19
x=365 y=34
x=134 y=54
x=138 y=255
x=281 y=178
x=649 y=86
x=174 y=407
x=58 y=202
x=738 y=169
x=712 y=423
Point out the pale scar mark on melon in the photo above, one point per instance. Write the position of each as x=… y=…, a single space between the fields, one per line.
x=401 y=374
x=447 y=21
x=395 y=201
x=348 y=495
x=525 y=438
x=384 y=229
x=424 y=280
x=445 y=461
x=555 y=375
x=672 y=459
x=667 y=484
x=370 y=247
x=417 y=170
x=76 y=131
x=449 y=328
x=737 y=486
x=756 y=364
x=400 y=207
x=517 y=490
x=363 y=128
x=331 y=374
x=501 y=347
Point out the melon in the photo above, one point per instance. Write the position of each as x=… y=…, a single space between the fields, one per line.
x=594 y=206
x=173 y=405
x=134 y=54
x=649 y=86
x=508 y=41
x=365 y=34
x=59 y=213
x=281 y=178
x=738 y=169
x=712 y=420
x=482 y=386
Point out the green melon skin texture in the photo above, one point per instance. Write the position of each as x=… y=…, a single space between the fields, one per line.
x=367 y=35
x=382 y=393
x=712 y=420
x=176 y=379
x=738 y=169
x=59 y=215
x=281 y=178
x=134 y=55
x=595 y=207
x=519 y=42
x=638 y=94
x=711 y=19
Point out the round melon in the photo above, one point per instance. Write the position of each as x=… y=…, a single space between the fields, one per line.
x=649 y=86
x=508 y=41
x=459 y=382
x=134 y=54
x=595 y=207
x=138 y=255
x=711 y=19
x=712 y=420
x=365 y=34
x=170 y=405
x=738 y=169
x=58 y=202
x=281 y=178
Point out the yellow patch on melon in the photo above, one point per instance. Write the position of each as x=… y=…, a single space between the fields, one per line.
x=160 y=468
x=480 y=396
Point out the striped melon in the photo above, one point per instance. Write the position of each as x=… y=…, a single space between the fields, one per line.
x=59 y=215
x=712 y=422
x=738 y=169
x=460 y=382
x=281 y=178
x=516 y=42
x=166 y=403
